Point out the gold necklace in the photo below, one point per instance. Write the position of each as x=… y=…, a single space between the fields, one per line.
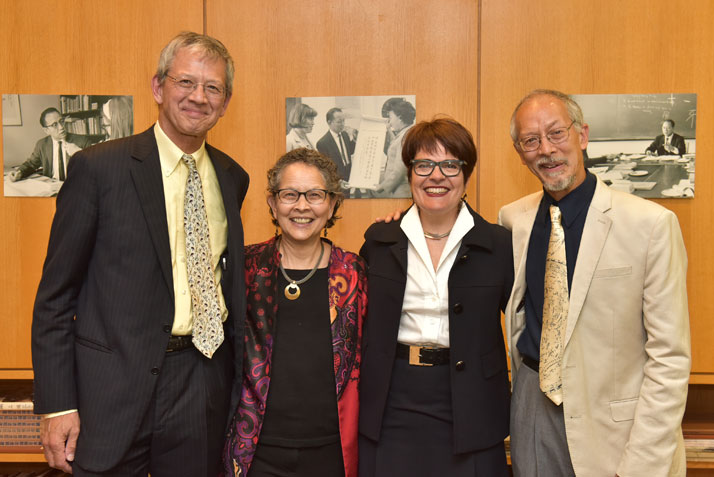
x=436 y=236
x=292 y=290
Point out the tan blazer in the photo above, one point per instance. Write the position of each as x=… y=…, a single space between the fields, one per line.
x=627 y=352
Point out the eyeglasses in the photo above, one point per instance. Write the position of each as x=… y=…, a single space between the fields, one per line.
x=312 y=196
x=449 y=167
x=555 y=136
x=212 y=90
x=56 y=124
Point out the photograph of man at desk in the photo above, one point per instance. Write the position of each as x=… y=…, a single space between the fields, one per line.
x=633 y=144
x=37 y=151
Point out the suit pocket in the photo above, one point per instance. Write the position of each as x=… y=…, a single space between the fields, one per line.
x=612 y=272
x=623 y=410
x=92 y=344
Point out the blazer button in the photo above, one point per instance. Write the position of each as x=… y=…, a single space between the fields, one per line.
x=464 y=257
x=458 y=308
x=460 y=365
x=167 y=328
x=154 y=371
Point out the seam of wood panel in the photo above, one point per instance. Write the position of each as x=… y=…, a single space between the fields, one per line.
x=478 y=108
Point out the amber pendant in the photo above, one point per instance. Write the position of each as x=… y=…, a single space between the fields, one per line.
x=292 y=291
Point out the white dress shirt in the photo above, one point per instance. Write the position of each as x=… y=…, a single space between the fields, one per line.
x=425 y=310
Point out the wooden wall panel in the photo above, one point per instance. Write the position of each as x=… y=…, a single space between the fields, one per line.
x=604 y=47
x=339 y=48
x=83 y=46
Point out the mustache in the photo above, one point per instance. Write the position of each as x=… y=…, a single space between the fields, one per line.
x=550 y=160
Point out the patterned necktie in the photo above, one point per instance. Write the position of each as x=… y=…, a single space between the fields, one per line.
x=345 y=160
x=60 y=162
x=555 y=311
x=207 y=325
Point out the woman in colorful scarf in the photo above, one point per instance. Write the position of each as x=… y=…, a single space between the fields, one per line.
x=306 y=303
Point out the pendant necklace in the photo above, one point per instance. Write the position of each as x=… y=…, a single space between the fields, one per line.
x=292 y=291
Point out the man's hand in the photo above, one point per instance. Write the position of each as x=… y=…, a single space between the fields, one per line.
x=14 y=176
x=394 y=216
x=59 y=438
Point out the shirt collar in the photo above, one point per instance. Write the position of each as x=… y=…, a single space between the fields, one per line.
x=573 y=204
x=170 y=154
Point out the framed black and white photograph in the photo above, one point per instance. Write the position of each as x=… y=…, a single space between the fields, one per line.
x=644 y=144
x=361 y=134
x=11 y=114
x=36 y=155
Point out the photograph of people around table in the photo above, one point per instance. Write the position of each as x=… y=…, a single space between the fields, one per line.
x=362 y=135
x=644 y=144
x=41 y=133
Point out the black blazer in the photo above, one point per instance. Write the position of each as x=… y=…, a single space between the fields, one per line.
x=327 y=146
x=658 y=145
x=479 y=286
x=109 y=265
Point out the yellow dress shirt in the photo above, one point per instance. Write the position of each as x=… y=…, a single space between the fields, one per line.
x=174 y=173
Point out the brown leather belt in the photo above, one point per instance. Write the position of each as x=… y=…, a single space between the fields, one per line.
x=422 y=356
x=179 y=343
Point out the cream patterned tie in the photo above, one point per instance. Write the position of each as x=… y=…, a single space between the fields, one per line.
x=207 y=325
x=555 y=311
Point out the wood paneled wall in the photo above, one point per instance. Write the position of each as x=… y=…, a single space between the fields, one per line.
x=582 y=47
x=343 y=47
x=472 y=65
x=52 y=47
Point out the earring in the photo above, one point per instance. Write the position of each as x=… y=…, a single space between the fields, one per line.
x=276 y=231
x=324 y=234
x=464 y=197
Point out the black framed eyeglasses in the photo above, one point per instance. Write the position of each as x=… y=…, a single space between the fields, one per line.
x=449 y=167
x=312 y=196
x=212 y=90
x=554 y=136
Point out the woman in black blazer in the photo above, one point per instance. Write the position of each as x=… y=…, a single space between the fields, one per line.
x=434 y=390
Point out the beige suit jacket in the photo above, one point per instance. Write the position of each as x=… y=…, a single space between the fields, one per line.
x=627 y=351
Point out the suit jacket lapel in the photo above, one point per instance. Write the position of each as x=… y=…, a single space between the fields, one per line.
x=146 y=173
x=522 y=228
x=597 y=226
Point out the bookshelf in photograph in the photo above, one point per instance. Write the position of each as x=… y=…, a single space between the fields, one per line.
x=83 y=114
x=19 y=426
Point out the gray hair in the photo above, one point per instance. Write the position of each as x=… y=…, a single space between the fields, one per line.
x=574 y=111
x=208 y=46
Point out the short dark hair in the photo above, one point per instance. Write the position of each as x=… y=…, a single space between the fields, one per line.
x=310 y=157
x=401 y=108
x=670 y=121
x=331 y=114
x=447 y=132
x=300 y=113
x=45 y=113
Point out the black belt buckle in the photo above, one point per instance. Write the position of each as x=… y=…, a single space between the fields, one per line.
x=179 y=343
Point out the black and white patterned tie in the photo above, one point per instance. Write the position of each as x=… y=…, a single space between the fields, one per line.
x=207 y=325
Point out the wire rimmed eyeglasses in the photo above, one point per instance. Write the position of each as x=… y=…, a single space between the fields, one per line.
x=213 y=90
x=554 y=136
x=312 y=196
x=449 y=167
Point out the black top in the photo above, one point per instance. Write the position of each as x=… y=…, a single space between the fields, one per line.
x=302 y=404
x=574 y=210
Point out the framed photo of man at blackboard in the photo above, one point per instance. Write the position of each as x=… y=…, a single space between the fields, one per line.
x=644 y=144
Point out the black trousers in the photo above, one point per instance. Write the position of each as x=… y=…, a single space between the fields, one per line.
x=277 y=461
x=183 y=431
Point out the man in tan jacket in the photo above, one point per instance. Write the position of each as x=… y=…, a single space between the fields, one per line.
x=607 y=395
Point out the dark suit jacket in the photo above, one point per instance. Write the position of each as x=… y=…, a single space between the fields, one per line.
x=479 y=286
x=327 y=146
x=109 y=265
x=658 y=144
x=41 y=156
